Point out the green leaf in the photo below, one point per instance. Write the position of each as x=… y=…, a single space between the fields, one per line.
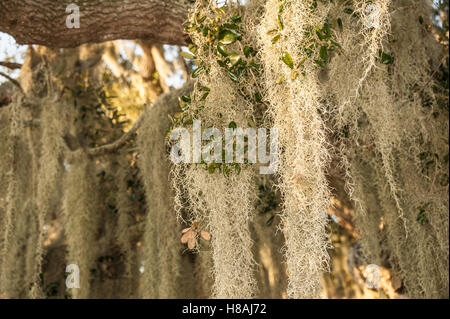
x=191 y=28
x=251 y=123
x=323 y=53
x=301 y=62
x=232 y=125
x=197 y=72
x=204 y=96
x=234 y=59
x=211 y=168
x=422 y=216
x=230 y=26
x=326 y=30
x=236 y=18
x=276 y=38
x=183 y=105
x=280 y=79
x=186 y=99
x=233 y=76
x=280 y=22
x=228 y=36
x=204 y=88
x=319 y=63
x=339 y=22
x=319 y=33
x=254 y=65
x=221 y=49
x=188 y=55
x=287 y=59
x=192 y=48
x=221 y=63
x=248 y=51
x=385 y=58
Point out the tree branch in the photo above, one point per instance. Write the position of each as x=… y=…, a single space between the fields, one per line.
x=44 y=21
x=13 y=82
x=168 y=100
x=11 y=65
x=116 y=145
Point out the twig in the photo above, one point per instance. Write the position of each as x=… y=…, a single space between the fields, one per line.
x=13 y=82
x=114 y=146
x=11 y=65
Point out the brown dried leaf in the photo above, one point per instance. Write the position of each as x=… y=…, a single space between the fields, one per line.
x=185 y=230
x=187 y=236
x=192 y=242
x=205 y=235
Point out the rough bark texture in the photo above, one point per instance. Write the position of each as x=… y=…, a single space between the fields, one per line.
x=44 y=21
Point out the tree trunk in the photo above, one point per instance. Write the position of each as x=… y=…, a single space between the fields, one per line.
x=44 y=21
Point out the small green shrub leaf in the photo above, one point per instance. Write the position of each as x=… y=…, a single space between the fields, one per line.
x=287 y=59
x=228 y=36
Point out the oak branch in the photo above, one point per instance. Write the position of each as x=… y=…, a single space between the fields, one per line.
x=43 y=22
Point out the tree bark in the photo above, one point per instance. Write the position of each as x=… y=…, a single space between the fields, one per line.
x=43 y=22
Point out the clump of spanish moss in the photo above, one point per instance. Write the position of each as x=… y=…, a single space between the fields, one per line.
x=48 y=188
x=125 y=224
x=382 y=118
x=81 y=217
x=392 y=133
x=5 y=166
x=295 y=107
x=20 y=228
x=162 y=258
x=220 y=197
x=228 y=221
